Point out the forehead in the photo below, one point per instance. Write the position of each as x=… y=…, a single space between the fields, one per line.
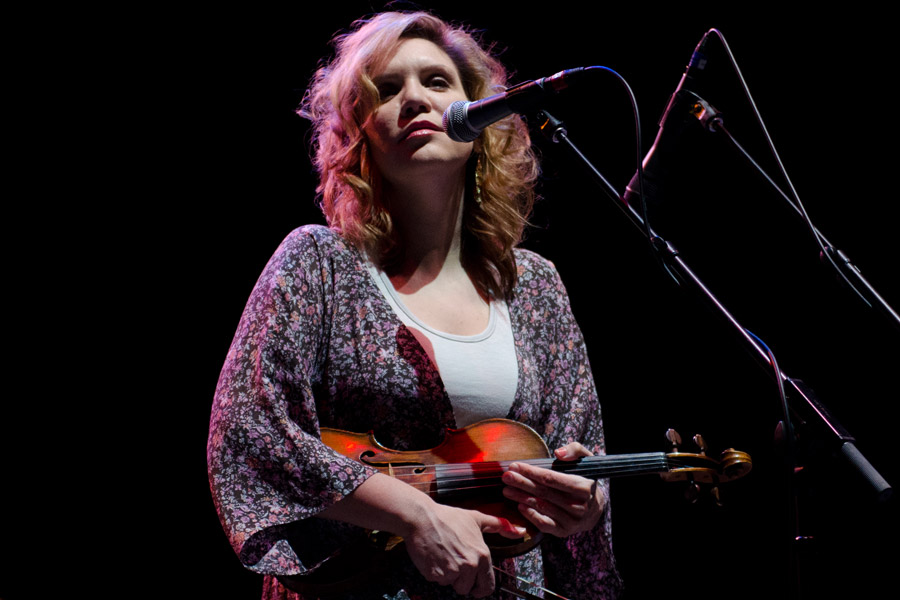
x=415 y=54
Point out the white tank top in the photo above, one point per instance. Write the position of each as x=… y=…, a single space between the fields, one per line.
x=480 y=372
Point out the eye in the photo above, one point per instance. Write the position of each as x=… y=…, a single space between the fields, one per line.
x=386 y=90
x=438 y=81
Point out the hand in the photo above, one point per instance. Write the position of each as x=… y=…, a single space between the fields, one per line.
x=447 y=547
x=557 y=503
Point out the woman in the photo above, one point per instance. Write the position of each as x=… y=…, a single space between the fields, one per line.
x=412 y=313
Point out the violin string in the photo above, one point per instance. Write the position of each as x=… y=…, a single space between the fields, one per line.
x=462 y=477
x=547 y=463
x=485 y=476
x=477 y=484
x=501 y=466
x=458 y=483
x=448 y=473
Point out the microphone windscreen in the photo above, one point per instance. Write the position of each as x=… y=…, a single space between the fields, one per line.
x=457 y=125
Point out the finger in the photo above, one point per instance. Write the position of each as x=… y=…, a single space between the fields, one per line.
x=491 y=524
x=598 y=497
x=558 y=520
x=464 y=582
x=438 y=575
x=572 y=451
x=445 y=576
x=484 y=583
x=563 y=503
x=529 y=487
x=547 y=518
x=541 y=482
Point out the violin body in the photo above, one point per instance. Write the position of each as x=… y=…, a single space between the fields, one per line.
x=475 y=454
x=465 y=470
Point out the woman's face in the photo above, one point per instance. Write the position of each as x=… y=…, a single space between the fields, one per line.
x=405 y=134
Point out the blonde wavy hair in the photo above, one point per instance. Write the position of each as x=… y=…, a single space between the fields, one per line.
x=342 y=96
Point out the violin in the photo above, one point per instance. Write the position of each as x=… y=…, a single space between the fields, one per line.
x=465 y=470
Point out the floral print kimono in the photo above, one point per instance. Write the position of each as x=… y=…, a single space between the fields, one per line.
x=318 y=345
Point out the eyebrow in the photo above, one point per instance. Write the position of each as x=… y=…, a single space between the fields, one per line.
x=429 y=69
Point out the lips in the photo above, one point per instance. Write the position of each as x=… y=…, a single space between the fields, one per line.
x=420 y=128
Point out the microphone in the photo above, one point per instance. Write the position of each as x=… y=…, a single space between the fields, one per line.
x=464 y=121
x=680 y=103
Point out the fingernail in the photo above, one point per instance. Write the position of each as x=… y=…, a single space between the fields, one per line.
x=561 y=452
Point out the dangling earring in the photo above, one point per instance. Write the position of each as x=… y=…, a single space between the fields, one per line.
x=478 y=180
x=370 y=178
x=364 y=163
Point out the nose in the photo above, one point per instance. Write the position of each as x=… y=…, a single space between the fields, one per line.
x=415 y=100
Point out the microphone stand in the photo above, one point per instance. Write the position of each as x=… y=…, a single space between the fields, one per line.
x=712 y=121
x=806 y=407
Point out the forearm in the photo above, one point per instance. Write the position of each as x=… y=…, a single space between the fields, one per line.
x=382 y=503
x=445 y=543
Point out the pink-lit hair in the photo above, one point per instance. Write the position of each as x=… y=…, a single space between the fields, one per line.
x=342 y=96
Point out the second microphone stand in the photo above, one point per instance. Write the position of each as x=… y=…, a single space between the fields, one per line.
x=803 y=403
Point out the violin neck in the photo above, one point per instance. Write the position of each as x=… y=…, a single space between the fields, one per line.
x=604 y=467
x=465 y=479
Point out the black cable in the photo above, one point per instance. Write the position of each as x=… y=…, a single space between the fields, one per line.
x=825 y=251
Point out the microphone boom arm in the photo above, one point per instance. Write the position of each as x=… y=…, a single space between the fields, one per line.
x=808 y=405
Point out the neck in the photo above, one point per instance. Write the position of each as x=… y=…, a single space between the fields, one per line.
x=427 y=216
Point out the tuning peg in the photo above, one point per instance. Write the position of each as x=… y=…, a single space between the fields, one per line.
x=674 y=439
x=692 y=492
x=701 y=443
x=714 y=492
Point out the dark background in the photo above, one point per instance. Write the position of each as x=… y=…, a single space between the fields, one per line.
x=660 y=359
x=227 y=176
